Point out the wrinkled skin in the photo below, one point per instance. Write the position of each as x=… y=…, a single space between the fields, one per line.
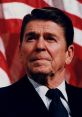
x=44 y=51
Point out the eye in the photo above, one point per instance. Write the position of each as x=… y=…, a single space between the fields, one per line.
x=30 y=37
x=51 y=39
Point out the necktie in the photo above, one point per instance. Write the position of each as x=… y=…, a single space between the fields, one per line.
x=56 y=108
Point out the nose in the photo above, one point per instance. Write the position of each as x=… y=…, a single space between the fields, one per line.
x=40 y=45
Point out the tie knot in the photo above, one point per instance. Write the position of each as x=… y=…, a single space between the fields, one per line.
x=56 y=108
x=54 y=94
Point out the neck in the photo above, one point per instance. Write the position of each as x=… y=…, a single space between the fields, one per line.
x=56 y=79
x=52 y=80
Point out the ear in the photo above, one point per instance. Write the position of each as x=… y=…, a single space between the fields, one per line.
x=69 y=54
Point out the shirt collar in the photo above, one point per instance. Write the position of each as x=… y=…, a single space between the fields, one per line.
x=43 y=89
x=62 y=88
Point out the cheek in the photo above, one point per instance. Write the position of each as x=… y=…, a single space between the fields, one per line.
x=53 y=50
x=53 y=53
x=58 y=50
x=58 y=57
x=25 y=54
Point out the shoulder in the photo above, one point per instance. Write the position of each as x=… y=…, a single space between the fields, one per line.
x=72 y=87
x=15 y=86
x=75 y=100
x=73 y=90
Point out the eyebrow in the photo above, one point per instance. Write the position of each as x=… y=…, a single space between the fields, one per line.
x=30 y=33
x=35 y=33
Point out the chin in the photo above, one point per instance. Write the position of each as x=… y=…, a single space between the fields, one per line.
x=39 y=77
x=41 y=71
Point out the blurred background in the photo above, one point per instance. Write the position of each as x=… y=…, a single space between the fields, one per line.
x=11 y=15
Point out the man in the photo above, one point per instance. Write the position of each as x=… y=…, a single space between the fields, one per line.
x=46 y=48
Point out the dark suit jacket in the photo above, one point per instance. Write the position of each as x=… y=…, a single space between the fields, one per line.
x=21 y=100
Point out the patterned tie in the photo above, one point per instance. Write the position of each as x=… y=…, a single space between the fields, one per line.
x=56 y=108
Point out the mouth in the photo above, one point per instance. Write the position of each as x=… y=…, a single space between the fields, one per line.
x=40 y=59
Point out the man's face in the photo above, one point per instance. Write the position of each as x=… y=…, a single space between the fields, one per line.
x=43 y=49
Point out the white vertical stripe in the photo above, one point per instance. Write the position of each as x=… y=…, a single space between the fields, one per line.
x=2 y=48
x=4 y=79
x=15 y=10
x=73 y=7
x=78 y=36
x=55 y=3
x=49 y=2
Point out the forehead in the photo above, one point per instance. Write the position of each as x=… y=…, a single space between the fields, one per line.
x=43 y=26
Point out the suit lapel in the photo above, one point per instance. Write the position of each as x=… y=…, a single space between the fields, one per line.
x=74 y=99
x=32 y=98
x=37 y=107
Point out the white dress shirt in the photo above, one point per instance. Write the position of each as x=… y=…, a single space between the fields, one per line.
x=42 y=90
